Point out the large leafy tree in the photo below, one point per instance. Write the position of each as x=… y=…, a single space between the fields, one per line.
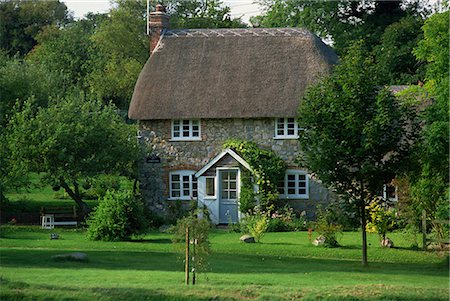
x=430 y=182
x=394 y=56
x=201 y=14
x=354 y=136
x=21 y=79
x=342 y=21
x=71 y=141
x=21 y=21
x=66 y=52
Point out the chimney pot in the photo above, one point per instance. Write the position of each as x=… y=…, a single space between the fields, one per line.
x=159 y=21
x=160 y=8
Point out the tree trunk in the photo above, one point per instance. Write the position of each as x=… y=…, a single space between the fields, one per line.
x=363 y=226
x=135 y=186
x=76 y=197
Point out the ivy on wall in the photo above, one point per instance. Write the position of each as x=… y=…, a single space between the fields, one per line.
x=267 y=171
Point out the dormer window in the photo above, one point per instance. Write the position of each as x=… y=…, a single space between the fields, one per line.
x=186 y=130
x=286 y=128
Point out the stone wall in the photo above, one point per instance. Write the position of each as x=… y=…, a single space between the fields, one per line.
x=155 y=139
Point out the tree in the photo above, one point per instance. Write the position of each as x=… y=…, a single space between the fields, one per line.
x=121 y=50
x=394 y=56
x=21 y=79
x=71 y=141
x=201 y=14
x=354 y=138
x=430 y=182
x=343 y=21
x=65 y=52
x=21 y=21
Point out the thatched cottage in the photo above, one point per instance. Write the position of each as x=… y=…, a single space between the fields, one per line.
x=201 y=87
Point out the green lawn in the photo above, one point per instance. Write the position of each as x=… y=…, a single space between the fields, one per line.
x=284 y=266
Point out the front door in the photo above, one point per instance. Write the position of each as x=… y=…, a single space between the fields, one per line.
x=228 y=196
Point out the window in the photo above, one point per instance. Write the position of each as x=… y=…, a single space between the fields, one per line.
x=183 y=185
x=390 y=192
x=186 y=130
x=210 y=187
x=286 y=128
x=294 y=185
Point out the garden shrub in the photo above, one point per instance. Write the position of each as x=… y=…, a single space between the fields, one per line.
x=285 y=220
x=327 y=228
x=381 y=219
x=255 y=224
x=118 y=216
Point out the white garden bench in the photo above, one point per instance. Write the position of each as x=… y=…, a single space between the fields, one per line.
x=58 y=216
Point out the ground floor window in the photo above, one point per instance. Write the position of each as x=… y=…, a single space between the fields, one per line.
x=183 y=185
x=295 y=185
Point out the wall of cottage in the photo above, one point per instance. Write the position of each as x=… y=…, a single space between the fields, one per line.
x=163 y=155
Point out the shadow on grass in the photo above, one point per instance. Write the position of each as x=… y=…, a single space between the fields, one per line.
x=155 y=241
x=16 y=290
x=12 y=290
x=220 y=263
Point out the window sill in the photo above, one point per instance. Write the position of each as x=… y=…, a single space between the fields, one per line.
x=185 y=139
x=182 y=199
x=285 y=138
x=294 y=197
x=210 y=198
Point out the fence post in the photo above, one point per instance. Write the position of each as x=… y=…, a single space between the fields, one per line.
x=424 y=230
x=186 y=268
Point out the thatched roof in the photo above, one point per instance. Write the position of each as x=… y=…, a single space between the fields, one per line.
x=229 y=73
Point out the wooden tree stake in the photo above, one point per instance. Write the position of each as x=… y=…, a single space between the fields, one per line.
x=186 y=268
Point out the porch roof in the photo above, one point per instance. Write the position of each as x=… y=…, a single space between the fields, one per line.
x=216 y=159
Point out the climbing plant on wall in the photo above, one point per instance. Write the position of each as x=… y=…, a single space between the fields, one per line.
x=267 y=171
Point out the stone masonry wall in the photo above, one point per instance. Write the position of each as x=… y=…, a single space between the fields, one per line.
x=155 y=139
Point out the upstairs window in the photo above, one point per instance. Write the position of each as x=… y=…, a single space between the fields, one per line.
x=183 y=185
x=295 y=185
x=286 y=128
x=186 y=130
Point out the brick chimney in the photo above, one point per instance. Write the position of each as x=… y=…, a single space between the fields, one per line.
x=159 y=21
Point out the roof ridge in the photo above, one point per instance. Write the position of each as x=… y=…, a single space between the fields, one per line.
x=237 y=32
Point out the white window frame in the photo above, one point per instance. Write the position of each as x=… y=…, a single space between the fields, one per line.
x=192 y=182
x=191 y=137
x=296 y=173
x=214 y=179
x=285 y=135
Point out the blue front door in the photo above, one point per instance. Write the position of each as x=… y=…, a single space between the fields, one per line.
x=228 y=196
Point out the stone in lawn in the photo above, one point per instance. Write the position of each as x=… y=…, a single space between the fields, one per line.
x=76 y=256
x=387 y=243
x=247 y=239
x=319 y=241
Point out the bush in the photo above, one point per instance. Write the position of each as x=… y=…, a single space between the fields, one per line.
x=256 y=224
x=118 y=216
x=381 y=219
x=326 y=228
x=285 y=219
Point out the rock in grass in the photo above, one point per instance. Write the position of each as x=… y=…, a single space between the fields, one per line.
x=387 y=243
x=319 y=241
x=247 y=239
x=76 y=256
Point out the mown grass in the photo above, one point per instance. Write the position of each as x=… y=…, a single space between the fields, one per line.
x=37 y=195
x=284 y=266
